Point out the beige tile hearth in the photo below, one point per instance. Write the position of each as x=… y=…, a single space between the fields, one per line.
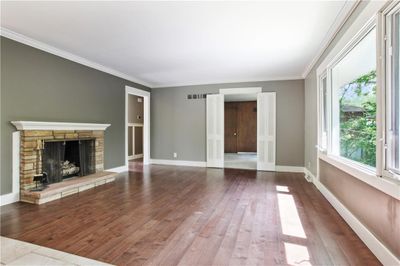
x=67 y=187
x=15 y=252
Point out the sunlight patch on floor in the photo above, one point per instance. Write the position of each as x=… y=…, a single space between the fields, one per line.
x=290 y=220
x=297 y=254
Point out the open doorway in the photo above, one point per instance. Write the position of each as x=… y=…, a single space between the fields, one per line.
x=265 y=127
x=137 y=127
x=240 y=131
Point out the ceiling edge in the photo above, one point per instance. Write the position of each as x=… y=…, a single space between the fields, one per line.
x=341 y=18
x=67 y=55
x=217 y=82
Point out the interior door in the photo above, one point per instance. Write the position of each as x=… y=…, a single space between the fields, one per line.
x=266 y=131
x=230 y=132
x=247 y=127
x=215 y=130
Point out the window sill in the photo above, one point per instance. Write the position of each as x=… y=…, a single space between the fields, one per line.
x=386 y=185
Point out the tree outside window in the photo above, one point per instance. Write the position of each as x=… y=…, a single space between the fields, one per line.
x=357 y=103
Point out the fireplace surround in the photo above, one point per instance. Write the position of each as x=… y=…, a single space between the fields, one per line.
x=62 y=150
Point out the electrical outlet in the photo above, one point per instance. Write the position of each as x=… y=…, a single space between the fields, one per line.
x=175 y=155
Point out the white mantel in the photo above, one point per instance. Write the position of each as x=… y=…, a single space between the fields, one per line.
x=37 y=125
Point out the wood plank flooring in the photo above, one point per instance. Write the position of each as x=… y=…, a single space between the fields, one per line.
x=166 y=215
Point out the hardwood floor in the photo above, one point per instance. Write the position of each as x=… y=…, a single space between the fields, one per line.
x=193 y=216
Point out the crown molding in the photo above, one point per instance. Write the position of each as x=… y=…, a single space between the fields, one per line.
x=219 y=82
x=67 y=55
x=341 y=18
x=38 y=125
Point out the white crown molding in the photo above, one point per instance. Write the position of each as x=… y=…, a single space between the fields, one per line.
x=219 y=82
x=344 y=14
x=67 y=55
x=36 y=125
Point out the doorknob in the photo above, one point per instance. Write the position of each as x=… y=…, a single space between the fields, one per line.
x=234 y=133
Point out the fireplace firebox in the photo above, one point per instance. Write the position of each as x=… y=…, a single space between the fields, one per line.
x=68 y=158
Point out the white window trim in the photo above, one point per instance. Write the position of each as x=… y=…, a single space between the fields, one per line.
x=385 y=18
x=321 y=113
x=388 y=186
x=331 y=150
x=362 y=172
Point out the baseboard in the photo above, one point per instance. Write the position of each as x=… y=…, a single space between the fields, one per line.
x=385 y=256
x=179 y=163
x=9 y=198
x=278 y=168
x=136 y=156
x=309 y=176
x=120 y=169
x=289 y=169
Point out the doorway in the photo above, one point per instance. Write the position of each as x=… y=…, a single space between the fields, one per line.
x=240 y=131
x=137 y=126
x=265 y=128
x=135 y=129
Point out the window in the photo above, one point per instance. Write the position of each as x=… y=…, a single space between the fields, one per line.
x=353 y=100
x=393 y=92
x=324 y=113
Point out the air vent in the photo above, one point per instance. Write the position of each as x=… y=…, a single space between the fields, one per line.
x=196 y=96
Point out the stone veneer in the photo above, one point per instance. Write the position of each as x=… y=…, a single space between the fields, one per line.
x=32 y=143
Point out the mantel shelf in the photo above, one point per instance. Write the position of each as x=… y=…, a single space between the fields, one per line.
x=37 y=125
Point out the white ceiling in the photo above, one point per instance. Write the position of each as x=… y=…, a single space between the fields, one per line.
x=181 y=43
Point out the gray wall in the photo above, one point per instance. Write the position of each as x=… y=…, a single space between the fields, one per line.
x=38 y=86
x=179 y=125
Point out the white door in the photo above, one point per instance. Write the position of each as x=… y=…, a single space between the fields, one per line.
x=215 y=130
x=266 y=131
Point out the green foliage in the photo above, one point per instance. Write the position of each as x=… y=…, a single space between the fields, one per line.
x=358 y=131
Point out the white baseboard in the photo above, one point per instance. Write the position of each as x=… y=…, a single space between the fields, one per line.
x=179 y=163
x=278 y=168
x=120 y=169
x=385 y=256
x=289 y=169
x=9 y=198
x=136 y=156
x=309 y=176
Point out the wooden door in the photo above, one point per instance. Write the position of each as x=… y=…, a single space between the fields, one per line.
x=231 y=110
x=247 y=127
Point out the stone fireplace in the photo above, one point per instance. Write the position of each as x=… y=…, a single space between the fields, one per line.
x=41 y=152
x=71 y=154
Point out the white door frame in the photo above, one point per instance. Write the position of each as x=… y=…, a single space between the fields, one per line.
x=146 y=122
x=235 y=91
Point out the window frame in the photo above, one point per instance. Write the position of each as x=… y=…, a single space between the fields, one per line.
x=331 y=150
x=387 y=21
x=323 y=113
x=375 y=177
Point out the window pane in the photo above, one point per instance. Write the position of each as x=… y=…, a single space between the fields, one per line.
x=395 y=99
x=324 y=113
x=354 y=103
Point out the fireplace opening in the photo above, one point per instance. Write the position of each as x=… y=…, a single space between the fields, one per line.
x=68 y=158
